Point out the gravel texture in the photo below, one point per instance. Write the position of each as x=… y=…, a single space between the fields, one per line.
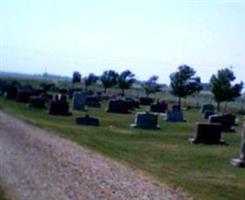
x=35 y=164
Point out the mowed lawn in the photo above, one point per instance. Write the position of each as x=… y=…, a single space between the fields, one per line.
x=2 y=194
x=203 y=171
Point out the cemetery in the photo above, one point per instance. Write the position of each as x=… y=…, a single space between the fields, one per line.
x=148 y=133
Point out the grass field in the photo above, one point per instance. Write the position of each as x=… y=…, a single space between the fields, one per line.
x=3 y=195
x=203 y=171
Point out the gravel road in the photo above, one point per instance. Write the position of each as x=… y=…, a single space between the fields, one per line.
x=35 y=164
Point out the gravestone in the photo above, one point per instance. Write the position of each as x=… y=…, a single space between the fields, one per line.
x=240 y=162
x=79 y=100
x=176 y=108
x=146 y=101
x=71 y=91
x=62 y=97
x=132 y=103
x=207 y=133
x=23 y=96
x=208 y=113
x=37 y=102
x=145 y=120
x=118 y=106
x=11 y=92
x=27 y=87
x=231 y=118
x=59 y=106
x=209 y=107
x=87 y=120
x=92 y=101
x=160 y=107
x=175 y=115
x=226 y=121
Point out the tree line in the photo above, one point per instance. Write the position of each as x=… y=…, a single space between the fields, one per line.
x=183 y=82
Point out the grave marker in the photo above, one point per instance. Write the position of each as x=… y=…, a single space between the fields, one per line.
x=207 y=133
x=146 y=120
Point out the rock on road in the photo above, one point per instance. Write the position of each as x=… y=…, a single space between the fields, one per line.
x=35 y=164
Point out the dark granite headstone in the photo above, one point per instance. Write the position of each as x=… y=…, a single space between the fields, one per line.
x=11 y=92
x=79 y=100
x=27 y=87
x=231 y=118
x=209 y=107
x=37 y=102
x=59 y=106
x=92 y=101
x=175 y=116
x=226 y=121
x=145 y=120
x=24 y=96
x=208 y=133
x=132 y=103
x=208 y=113
x=72 y=91
x=176 y=108
x=87 y=120
x=146 y=101
x=160 y=107
x=118 y=106
x=62 y=97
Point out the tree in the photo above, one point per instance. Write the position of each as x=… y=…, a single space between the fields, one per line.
x=151 y=85
x=184 y=83
x=222 y=88
x=125 y=80
x=108 y=79
x=90 y=79
x=76 y=77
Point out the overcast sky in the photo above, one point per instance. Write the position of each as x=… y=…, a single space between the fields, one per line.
x=146 y=36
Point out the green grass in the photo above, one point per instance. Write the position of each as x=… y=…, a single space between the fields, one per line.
x=2 y=194
x=203 y=171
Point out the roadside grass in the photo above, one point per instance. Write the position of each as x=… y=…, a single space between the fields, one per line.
x=3 y=195
x=203 y=171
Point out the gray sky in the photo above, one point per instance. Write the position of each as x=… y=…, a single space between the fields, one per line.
x=146 y=36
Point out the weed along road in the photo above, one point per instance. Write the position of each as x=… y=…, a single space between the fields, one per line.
x=35 y=164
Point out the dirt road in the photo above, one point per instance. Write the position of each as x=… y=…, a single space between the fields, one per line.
x=35 y=164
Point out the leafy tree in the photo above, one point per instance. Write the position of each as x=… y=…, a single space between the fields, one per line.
x=222 y=88
x=90 y=80
x=108 y=79
x=184 y=83
x=76 y=77
x=151 y=85
x=125 y=80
